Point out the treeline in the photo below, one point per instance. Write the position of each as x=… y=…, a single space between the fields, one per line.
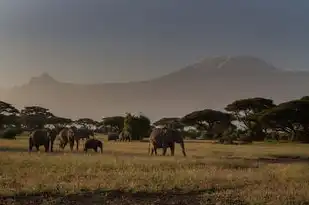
x=251 y=119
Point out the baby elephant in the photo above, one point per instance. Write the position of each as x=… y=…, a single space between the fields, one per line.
x=93 y=144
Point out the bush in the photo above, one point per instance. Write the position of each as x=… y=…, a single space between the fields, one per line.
x=10 y=133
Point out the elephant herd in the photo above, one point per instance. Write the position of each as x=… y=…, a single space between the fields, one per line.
x=160 y=138
x=68 y=135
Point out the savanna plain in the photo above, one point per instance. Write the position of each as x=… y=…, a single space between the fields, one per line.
x=258 y=173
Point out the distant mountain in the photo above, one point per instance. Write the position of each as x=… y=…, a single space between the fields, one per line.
x=211 y=83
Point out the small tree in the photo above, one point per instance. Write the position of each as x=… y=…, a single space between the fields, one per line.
x=127 y=125
x=140 y=127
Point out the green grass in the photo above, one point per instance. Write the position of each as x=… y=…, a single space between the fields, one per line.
x=260 y=173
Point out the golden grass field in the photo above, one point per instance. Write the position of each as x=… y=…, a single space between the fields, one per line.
x=124 y=174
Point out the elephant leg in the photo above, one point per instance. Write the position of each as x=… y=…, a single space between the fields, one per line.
x=30 y=148
x=77 y=144
x=164 y=151
x=172 y=147
x=71 y=145
x=30 y=145
x=95 y=149
x=52 y=146
x=155 y=151
x=64 y=145
x=164 y=147
x=182 y=145
x=37 y=147
x=46 y=147
x=61 y=146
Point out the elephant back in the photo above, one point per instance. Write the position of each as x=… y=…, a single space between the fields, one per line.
x=166 y=135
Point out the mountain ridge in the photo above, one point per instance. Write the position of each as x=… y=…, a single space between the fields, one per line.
x=211 y=83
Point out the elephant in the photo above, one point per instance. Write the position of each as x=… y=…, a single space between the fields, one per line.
x=112 y=136
x=164 y=138
x=65 y=136
x=53 y=135
x=125 y=136
x=93 y=144
x=38 y=138
x=81 y=134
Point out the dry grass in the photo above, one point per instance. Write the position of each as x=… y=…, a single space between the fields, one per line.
x=124 y=174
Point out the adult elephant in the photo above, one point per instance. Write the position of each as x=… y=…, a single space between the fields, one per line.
x=164 y=138
x=53 y=132
x=125 y=136
x=39 y=138
x=81 y=134
x=112 y=136
x=65 y=136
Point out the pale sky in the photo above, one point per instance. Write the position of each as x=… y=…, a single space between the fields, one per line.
x=92 y=41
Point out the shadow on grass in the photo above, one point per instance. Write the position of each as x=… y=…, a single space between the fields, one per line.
x=13 y=149
x=58 y=152
x=113 y=197
x=280 y=159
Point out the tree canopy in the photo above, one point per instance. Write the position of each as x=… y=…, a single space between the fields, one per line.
x=86 y=122
x=8 y=114
x=36 y=117
x=173 y=122
x=114 y=122
x=290 y=117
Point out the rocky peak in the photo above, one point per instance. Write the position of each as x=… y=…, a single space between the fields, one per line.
x=44 y=78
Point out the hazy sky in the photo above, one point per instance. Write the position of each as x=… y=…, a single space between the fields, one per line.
x=120 y=40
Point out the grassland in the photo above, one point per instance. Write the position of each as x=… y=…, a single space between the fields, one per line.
x=124 y=174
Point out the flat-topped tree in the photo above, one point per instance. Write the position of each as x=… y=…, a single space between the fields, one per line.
x=59 y=121
x=212 y=121
x=35 y=117
x=86 y=122
x=246 y=109
x=115 y=122
x=290 y=117
x=170 y=122
x=8 y=114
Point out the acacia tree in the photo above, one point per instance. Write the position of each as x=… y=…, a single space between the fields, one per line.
x=34 y=117
x=245 y=111
x=59 y=121
x=115 y=122
x=212 y=121
x=290 y=117
x=141 y=127
x=86 y=122
x=8 y=115
x=171 y=122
